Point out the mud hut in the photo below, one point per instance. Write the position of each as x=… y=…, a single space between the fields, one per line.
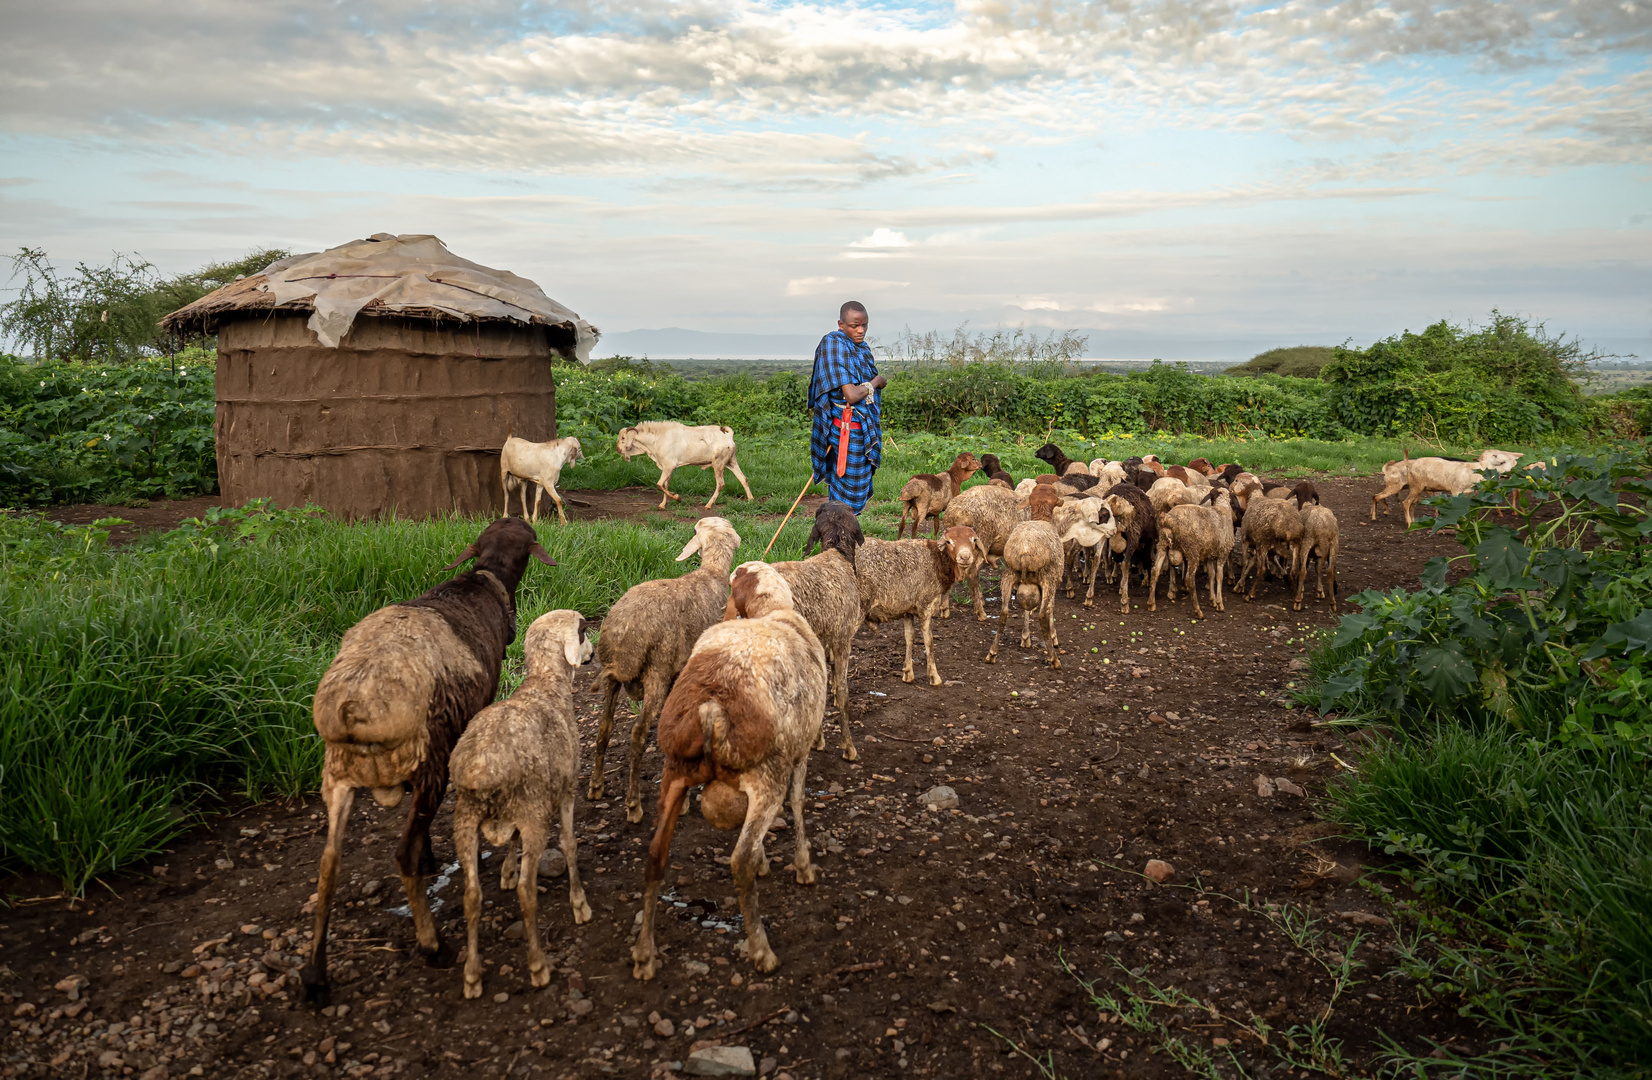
x=380 y=377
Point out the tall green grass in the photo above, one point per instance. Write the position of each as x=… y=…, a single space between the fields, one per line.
x=140 y=686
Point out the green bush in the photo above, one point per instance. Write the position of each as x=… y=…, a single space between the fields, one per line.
x=73 y=432
x=1516 y=771
x=1505 y=382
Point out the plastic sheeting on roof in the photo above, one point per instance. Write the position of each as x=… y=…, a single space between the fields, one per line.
x=413 y=273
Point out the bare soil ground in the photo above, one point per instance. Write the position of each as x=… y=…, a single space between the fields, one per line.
x=925 y=930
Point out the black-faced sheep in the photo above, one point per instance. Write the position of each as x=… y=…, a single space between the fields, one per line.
x=994 y=469
x=514 y=772
x=406 y=681
x=646 y=639
x=927 y=494
x=740 y=720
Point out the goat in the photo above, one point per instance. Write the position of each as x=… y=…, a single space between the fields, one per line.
x=524 y=465
x=1321 y=539
x=825 y=592
x=647 y=638
x=909 y=579
x=927 y=494
x=991 y=512
x=740 y=720
x=406 y=681
x=513 y=773
x=1425 y=474
x=671 y=445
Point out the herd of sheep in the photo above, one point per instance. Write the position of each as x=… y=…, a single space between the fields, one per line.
x=732 y=665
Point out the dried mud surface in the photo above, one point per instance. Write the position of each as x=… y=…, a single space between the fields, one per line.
x=925 y=929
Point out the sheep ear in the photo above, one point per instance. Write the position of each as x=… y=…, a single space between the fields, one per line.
x=573 y=647
x=539 y=553
x=730 y=612
x=464 y=556
x=690 y=548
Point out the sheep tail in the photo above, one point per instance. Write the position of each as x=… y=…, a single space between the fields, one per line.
x=735 y=743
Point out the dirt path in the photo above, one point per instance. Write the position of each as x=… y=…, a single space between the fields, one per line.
x=925 y=930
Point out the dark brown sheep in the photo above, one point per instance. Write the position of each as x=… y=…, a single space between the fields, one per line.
x=1138 y=533
x=994 y=469
x=405 y=683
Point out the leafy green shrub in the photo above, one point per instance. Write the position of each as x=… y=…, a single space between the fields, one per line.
x=73 y=432
x=1507 y=381
x=1517 y=772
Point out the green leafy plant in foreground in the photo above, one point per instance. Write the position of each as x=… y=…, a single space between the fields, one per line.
x=1514 y=775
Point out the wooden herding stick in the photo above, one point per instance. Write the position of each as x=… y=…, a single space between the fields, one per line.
x=789 y=514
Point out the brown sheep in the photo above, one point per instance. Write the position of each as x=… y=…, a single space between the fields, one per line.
x=514 y=772
x=994 y=470
x=826 y=594
x=1270 y=526
x=740 y=720
x=1193 y=538
x=1033 y=565
x=991 y=512
x=646 y=639
x=1138 y=532
x=406 y=681
x=908 y=580
x=927 y=494
x=1320 y=540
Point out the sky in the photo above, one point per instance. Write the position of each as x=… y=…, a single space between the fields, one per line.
x=1180 y=178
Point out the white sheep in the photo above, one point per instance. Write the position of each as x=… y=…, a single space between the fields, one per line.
x=671 y=445
x=525 y=466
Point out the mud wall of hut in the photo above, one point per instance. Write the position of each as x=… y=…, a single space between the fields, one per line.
x=405 y=417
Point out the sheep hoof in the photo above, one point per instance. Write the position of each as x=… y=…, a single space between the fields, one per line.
x=850 y=754
x=442 y=956
x=765 y=961
x=582 y=915
x=473 y=987
x=980 y=616
x=316 y=991
x=807 y=875
x=1055 y=663
x=633 y=814
x=935 y=679
x=540 y=976
x=643 y=972
x=907 y=676
x=820 y=743
x=594 y=792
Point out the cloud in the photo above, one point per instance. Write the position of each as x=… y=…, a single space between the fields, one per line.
x=814 y=286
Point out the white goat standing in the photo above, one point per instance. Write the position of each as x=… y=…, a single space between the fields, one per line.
x=671 y=445
x=525 y=465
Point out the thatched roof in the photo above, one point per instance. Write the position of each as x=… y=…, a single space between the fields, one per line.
x=413 y=276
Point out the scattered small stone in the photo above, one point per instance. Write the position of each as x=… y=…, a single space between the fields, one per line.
x=1157 y=719
x=72 y=985
x=552 y=863
x=663 y=1028
x=1364 y=918
x=1264 y=787
x=190 y=972
x=720 y=1061
x=582 y=1007
x=1114 y=936
x=767 y=1066
x=1172 y=717
x=697 y=967
x=224 y=864
x=172 y=967
x=110 y=1060
x=501 y=997
x=251 y=928
x=1288 y=788
x=940 y=797
x=372 y=888
x=158 y=1072
x=1136 y=917
x=516 y=931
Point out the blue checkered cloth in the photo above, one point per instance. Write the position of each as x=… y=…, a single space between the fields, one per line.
x=839 y=361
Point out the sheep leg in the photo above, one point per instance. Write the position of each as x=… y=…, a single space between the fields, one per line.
x=800 y=864
x=534 y=517
x=900 y=527
x=656 y=684
x=664 y=484
x=744 y=862
x=560 y=513
x=717 y=474
x=734 y=467
x=934 y=528
x=840 y=696
x=610 y=693
x=1190 y=584
x=1046 y=623
x=1213 y=581
x=929 y=648
x=505 y=482
x=465 y=845
x=673 y=793
x=508 y=876
x=1026 y=626
x=414 y=857
x=1331 y=573
x=1160 y=558
x=339 y=797
x=527 y=898
x=569 y=842
x=1125 y=559
x=1092 y=564
x=906 y=669
x=992 y=653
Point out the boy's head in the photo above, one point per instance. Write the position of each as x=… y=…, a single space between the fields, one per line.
x=852 y=320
